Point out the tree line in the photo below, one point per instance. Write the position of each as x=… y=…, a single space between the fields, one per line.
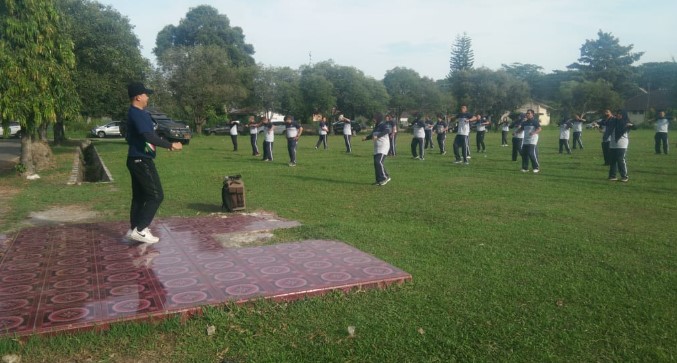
x=70 y=60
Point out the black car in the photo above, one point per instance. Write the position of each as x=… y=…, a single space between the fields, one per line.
x=173 y=131
x=222 y=129
x=338 y=127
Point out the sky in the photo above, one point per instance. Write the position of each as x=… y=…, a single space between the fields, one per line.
x=375 y=36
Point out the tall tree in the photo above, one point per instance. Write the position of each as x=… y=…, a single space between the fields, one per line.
x=107 y=54
x=587 y=96
x=494 y=92
x=659 y=76
x=605 y=59
x=201 y=78
x=36 y=66
x=530 y=73
x=203 y=25
x=317 y=92
x=355 y=93
x=405 y=90
x=462 y=56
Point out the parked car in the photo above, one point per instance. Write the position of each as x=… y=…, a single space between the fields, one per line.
x=222 y=129
x=109 y=129
x=173 y=131
x=14 y=129
x=338 y=127
x=278 y=127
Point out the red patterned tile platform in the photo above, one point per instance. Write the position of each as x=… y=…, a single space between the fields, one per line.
x=83 y=276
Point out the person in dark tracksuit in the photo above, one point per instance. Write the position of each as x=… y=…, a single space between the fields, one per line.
x=268 y=139
x=393 y=135
x=608 y=116
x=661 y=137
x=381 y=137
x=253 y=135
x=322 y=131
x=517 y=136
x=233 y=133
x=617 y=133
x=577 y=127
x=293 y=131
x=531 y=128
x=564 y=128
x=505 y=128
x=429 y=126
x=347 y=133
x=463 y=119
x=441 y=128
x=418 y=135
x=147 y=194
x=481 y=131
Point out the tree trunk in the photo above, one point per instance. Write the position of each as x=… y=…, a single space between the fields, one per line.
x=42 y=132
x=199 y=122
x=26 y=155
x=59 y=133
x=36 y=155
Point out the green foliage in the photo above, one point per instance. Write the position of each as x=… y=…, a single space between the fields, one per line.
x=586 y=96
x=605 y=59
x=355 y=93
x=36 y=65
x=107 y=56
x=490 y=92
x=201 y=77
x=20 y=168
x=462 y=55
x=204 y=26
x=409 y=91
x=317 y=92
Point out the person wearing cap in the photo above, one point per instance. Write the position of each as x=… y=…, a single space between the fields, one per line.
x=147 y=194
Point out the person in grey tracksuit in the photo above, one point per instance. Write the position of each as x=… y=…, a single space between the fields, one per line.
x=381 y=137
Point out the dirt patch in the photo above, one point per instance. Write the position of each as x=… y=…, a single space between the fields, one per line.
x=62 y=214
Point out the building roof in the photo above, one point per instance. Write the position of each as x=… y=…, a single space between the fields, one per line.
x=657 y=100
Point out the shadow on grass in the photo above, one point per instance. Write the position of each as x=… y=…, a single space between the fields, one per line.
x=205 y=208
x=333 y=181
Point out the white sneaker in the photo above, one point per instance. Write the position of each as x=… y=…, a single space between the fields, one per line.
x=536 y=171
x=144 y=236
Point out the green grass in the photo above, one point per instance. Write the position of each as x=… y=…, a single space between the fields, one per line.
x=562 y=266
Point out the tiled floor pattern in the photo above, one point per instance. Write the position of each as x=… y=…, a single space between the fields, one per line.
x=82 y=276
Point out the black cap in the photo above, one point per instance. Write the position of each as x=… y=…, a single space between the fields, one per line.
x=137 y=88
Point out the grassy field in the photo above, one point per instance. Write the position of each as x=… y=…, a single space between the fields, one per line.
x=562 y=266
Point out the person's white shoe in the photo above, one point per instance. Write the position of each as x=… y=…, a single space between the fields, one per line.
x=143 y=236
x=536 y=171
